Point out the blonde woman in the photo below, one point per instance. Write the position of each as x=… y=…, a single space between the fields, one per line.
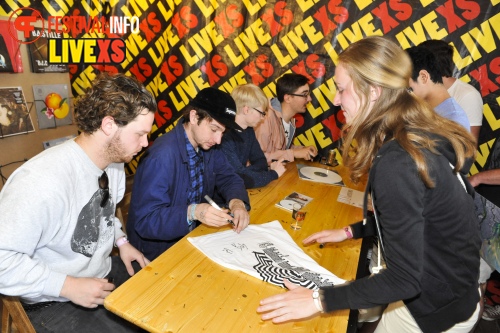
x=416 y=162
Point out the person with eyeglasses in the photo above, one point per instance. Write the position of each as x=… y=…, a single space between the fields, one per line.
x=180 y=170
x=275 y=134
x=57 y=221
x=242 y=148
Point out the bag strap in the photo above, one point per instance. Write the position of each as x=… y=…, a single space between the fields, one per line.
x=369 y=190
x=465 y=183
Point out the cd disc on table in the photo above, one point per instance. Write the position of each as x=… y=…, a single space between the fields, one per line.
x=321 y=175
x=287 y=204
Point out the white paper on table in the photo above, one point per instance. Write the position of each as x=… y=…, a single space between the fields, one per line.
x=267 y=252
x=351 y=197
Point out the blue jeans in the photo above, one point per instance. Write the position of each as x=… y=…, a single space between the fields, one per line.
x=69 y=317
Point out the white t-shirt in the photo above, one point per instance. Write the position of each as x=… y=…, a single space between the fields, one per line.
x=469 y=99
x=266 y=252
x=286 y=127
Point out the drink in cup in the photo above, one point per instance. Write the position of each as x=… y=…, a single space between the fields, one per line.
x=298 y=215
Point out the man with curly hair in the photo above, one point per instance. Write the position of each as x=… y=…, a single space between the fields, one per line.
x=58 y=226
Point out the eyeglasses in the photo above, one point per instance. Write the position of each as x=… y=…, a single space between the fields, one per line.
x=104 y=186
x=305 y=95
x=263 y=114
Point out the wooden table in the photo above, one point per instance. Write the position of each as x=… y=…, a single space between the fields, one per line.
x=184 y=291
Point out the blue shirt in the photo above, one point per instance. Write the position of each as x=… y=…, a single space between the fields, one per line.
x=450 y=109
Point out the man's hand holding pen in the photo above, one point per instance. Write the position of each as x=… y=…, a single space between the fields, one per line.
x=278 y=166
x=211 y=216
x=241 y=217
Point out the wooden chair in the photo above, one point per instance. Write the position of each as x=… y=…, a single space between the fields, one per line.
x=14 y=318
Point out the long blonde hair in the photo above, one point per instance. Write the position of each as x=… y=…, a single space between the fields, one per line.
x=397 y=114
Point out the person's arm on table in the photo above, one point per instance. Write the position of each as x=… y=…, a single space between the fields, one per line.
x=209 y=215
x=258 y=162
x=241 y=216
x=257 y=173
x=278 y=167
x=305 y=152
x=232 y=189
x=489 y=177
x=356 y=230
x=329 y=236
x=296 y=303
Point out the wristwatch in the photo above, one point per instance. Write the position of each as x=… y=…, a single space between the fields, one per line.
x=317 y=300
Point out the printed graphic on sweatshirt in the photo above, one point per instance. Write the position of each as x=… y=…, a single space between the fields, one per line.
x=95 y=226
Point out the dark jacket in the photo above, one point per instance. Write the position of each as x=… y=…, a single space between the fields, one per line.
x=158 y=209
x=431 y=242
x=243 y=152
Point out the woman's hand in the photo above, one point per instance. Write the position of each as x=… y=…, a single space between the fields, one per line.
x=327 y=236
x=296 y=303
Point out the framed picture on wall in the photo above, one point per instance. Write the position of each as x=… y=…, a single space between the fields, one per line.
x=38 y=52
x=14 y=113
x=10 y=50
x=52 y=103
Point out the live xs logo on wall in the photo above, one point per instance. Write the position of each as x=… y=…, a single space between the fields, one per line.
x=176 y=48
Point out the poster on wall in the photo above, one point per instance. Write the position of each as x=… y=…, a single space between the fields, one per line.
x=38 y=52
x=14 y=112
x=10 y=50
x=52 y=105
x=177 y=48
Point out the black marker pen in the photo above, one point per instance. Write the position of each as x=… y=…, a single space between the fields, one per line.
x=216 y=206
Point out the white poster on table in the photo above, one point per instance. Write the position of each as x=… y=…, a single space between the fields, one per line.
x=267 y=252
